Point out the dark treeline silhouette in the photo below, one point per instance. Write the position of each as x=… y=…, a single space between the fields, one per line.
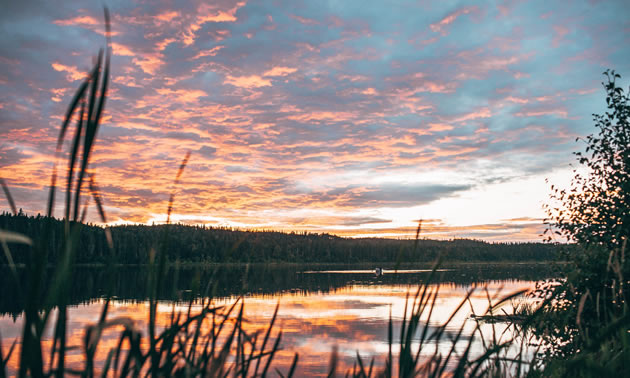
x=199 y=244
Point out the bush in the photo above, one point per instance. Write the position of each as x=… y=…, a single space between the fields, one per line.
x=584 y=318
x=595 y=210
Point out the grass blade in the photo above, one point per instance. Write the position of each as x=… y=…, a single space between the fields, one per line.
x=73 y=105
x=73 y=159
x=9 y=197
x=293 y=365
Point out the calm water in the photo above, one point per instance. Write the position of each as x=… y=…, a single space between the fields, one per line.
x=320 y=307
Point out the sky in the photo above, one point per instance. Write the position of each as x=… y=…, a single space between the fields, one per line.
x=356 y=118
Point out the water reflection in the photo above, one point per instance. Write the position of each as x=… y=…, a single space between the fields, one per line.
x=130 y=283
x=318 y=311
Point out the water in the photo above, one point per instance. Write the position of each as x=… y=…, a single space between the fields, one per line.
x=321 y=307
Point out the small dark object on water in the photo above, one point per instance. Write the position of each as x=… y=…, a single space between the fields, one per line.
x=502 y=318
x=378 y=272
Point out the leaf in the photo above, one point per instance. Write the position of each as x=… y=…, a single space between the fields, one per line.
x=9 y=197
x=14 y=237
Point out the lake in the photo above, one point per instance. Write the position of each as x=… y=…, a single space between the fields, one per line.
x=320 y=307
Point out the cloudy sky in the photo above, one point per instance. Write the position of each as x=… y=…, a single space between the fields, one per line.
x=351 y=117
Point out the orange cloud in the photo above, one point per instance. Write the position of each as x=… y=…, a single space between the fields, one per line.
x=167 y=16
x=126 y=80
x=436 y=127
x=123 y=50
x=369 y=91
x=72 y=72
x=182 y=95
x=58 y=94
x=164 y=43
x=280 y=71
x=209 y=13
x=252 y=81
x=79 y=20
x=149 y=63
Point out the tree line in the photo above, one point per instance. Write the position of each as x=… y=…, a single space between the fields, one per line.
x=132 y=244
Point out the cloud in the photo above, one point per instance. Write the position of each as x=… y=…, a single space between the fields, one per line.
x=251 y=81
x=72 y=73
x=150 y=63
x=437 y=127
x=280 y=71
x=210 y=13
x=167 y=16
x=389 y=195
x=207 y=151
x=477 y=114
x=122 y=50
x=185 y=96
x=79 y=20
x=211 y=52
x=440 y=27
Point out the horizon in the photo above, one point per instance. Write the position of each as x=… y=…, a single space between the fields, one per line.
x=348 y=119
x=286 y=232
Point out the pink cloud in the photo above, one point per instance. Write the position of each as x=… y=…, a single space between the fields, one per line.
x=539 y=113
x=520 y=75
x=479 y=62
x=517 y=100
x=149 y=63
x=161 y=45
x=280 y=71
x=303 y=20
x=126 y=80
x=87 y=22
x=433 y=87
x=79 y=20
x=481 y=113
x=58 y=94
x=122 y=50
x=369 y=91
x=436 y=127
x=209 y=13
x=167 y=16
x=72 y=72
x=559 y=33
x=251 y=81
x=322 y=116
x=440 y=27
x=212 y=52
x=185 y=96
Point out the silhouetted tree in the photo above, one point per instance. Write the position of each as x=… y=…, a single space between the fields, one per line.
x=596 y=208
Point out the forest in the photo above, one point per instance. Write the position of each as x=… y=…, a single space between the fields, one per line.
x=198 y=244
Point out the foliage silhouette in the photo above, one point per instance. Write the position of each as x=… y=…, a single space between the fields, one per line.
x=584 y=321
x=595 y=210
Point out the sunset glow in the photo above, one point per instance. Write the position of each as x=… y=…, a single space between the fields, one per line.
x=348 y=117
